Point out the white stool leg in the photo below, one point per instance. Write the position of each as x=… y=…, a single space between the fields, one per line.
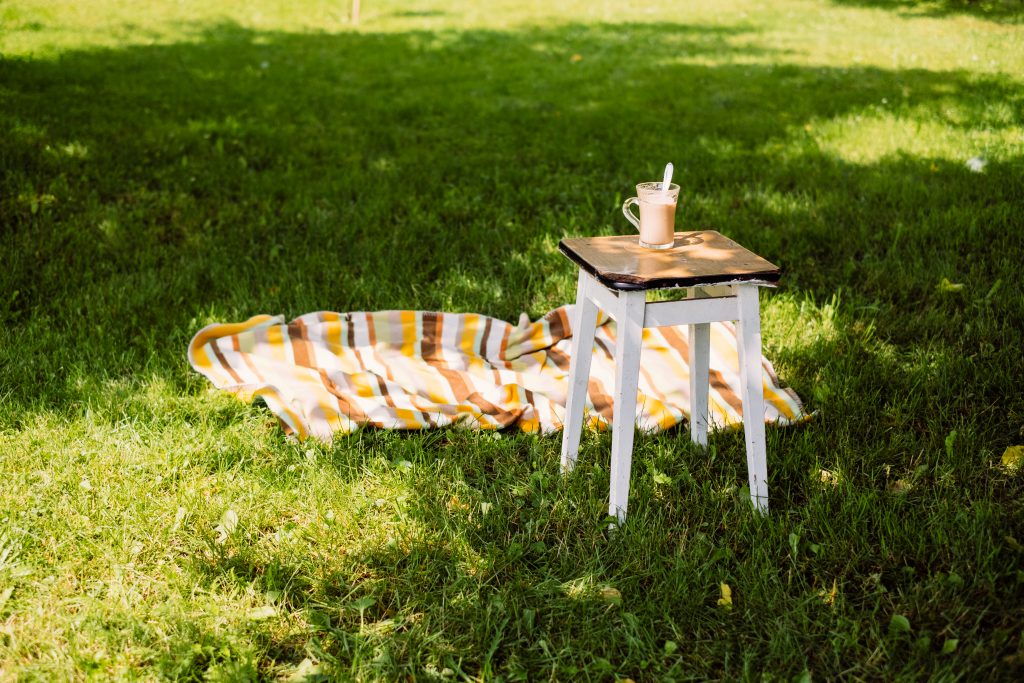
x=584 y=324
x=700 y=352
x=748 y=338
x=630 y=326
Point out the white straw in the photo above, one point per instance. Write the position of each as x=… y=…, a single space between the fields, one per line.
x=668 y=177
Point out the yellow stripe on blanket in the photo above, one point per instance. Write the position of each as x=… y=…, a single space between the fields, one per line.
x=327 y=373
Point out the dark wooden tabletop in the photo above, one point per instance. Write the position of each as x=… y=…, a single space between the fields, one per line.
x=704 y=257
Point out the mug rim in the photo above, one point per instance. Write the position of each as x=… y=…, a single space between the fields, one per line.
x=655 y=185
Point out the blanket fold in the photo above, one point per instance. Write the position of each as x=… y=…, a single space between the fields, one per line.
x=326 y=373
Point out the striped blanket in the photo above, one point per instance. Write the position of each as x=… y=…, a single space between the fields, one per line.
x=325 y=373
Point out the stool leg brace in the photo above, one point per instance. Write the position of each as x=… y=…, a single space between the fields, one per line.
x=632 y=314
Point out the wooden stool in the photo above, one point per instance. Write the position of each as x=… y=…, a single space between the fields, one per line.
x=722 y=280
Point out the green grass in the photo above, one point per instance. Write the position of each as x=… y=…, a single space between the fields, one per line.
x=171 y=165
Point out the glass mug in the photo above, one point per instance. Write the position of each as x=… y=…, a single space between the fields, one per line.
x=657 y=214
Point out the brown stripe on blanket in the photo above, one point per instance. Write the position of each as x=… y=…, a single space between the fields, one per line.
x=676 y=340
x=371 y=330
x=224 y=362
x=560 y=359
x=454 y=379
x=484 y=338
x=384 y=393
x=716 y=380
x=719 y=384
x=608 y=352
x=300 y=344
x=503 y=417
x=429 y=340
x=557 y=325
x=483 y=350
x=601 y=399
x=350 y=337
x=353 y=411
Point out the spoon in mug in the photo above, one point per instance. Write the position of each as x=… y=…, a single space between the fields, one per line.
x=668 y=177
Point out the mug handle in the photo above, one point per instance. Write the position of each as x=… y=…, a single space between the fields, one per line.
x=629 y=214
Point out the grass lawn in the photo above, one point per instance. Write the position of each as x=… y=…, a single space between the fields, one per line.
x=165 y=165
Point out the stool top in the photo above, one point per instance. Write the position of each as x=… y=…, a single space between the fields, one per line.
x=704 y=257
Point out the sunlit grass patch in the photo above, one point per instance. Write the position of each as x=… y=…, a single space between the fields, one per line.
x=870 y=138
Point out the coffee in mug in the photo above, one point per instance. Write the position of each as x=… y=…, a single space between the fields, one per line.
x=657 y=214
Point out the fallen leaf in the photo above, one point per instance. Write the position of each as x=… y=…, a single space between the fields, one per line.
x=725 y=601
x=227 y=526
x=900 y=486
x=899 y=624
x=829 y=598
x=1012 y=457
x=264 y=612
x=828 y=477
x=660 y=478
x=576 y=58
x=949 y=646
x=305 y=671
x=611 y=595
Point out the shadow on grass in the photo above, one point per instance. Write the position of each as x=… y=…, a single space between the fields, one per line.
x=1007 y=11
x=497 y=564
x=258 y=172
